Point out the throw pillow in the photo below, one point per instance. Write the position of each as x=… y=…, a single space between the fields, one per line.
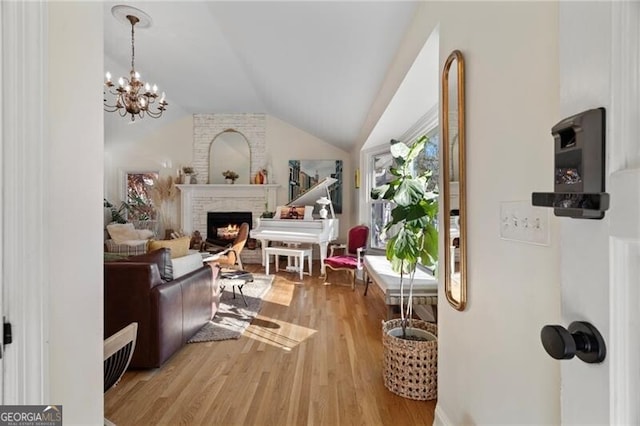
x=144 y=234
x=179 y=247
x=121 y=232
x=161 y=257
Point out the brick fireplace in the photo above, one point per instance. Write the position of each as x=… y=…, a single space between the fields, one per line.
x=197 y=200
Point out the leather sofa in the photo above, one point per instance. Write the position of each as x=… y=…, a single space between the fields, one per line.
x=168 y=312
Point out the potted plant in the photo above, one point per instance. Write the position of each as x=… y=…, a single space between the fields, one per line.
x=187 y=172
x=266 y=214
x=230 y=176
x=410 y=345
x=117 y=214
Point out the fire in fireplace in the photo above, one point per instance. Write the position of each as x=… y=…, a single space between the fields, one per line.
x=222 y=227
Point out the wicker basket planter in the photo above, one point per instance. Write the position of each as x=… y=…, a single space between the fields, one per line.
x=410 y=367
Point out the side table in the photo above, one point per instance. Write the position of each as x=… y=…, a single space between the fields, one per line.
x=235 y=278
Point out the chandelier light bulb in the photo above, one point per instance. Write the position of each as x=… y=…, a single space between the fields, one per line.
x=155 y=88
x=162 y=98
x=121 y=81
x=127 y=88
x=108 y=76
x=136 y=75
x=147 y=87
x=143 y=103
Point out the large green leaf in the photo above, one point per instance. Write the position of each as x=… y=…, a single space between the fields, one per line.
x=378 y=192
x=429 y=255
x=410 y=191
x=399 y=150
x=416 y=149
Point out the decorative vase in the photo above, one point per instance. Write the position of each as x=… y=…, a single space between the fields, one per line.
x=186 y=179
x=230 y=181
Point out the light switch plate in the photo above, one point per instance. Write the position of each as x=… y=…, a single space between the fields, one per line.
x=520 y=221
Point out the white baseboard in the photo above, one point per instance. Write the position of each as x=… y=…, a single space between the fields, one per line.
x=440 y=418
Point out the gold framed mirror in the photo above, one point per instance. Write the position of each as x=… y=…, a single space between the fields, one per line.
x=453 y=181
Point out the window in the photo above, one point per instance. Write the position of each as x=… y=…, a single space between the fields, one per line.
x=139 y=205
x=378 y=164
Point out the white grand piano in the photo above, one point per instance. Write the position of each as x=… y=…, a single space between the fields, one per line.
x=307 y=230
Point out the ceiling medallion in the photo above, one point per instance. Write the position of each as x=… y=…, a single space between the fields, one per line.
x=132 y=95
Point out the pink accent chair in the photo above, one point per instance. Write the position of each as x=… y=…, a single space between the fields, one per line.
x=351 y=260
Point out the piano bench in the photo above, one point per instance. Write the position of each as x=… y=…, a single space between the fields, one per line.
x=298 y=253
x=377 y=269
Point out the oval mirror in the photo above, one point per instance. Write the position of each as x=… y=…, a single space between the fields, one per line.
x=229 y=151
x=453 y=181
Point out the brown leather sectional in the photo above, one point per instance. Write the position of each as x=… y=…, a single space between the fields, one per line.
x=168 y=313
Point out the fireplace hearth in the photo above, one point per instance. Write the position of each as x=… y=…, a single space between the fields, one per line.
x=222 y=227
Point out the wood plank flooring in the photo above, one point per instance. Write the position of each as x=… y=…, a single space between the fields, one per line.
x=312 y=357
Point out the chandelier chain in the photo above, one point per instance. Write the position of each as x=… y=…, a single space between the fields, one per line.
x=133 y=45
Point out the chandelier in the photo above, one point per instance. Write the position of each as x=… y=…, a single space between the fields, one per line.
x=132 y=95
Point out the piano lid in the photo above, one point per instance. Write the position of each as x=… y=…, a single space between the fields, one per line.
x=320 y=189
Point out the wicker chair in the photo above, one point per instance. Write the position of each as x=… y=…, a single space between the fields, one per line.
x=118 y=350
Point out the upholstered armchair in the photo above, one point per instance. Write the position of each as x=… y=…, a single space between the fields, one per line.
x=353 y=252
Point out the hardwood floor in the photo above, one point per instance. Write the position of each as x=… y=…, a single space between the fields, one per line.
x=313 y=356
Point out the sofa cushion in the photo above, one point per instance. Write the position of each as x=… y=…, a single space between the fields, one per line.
x=179 y=247
x=161 y=257
x=126 y=249
x=185 y=264
x=114 y=257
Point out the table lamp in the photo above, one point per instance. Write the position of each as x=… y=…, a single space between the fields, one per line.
x=324 y=202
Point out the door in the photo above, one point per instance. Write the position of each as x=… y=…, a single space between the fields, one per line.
x=599 y=66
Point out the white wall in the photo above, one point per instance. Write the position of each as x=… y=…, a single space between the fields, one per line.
x=74 y=215
x=164 y=150
x=286 y=142
x=173 y=144
x=491 y=366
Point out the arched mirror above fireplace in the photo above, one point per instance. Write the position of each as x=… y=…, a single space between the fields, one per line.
x=229 y=150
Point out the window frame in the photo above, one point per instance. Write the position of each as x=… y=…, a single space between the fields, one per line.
x=428 y=125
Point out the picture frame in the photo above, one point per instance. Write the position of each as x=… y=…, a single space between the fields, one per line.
x=303 y=174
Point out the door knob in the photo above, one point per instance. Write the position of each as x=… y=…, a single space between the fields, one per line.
x=581 y=339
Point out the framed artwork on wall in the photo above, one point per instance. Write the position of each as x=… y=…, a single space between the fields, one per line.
x=303 y=174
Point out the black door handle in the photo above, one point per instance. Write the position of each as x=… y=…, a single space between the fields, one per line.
x=582 y=339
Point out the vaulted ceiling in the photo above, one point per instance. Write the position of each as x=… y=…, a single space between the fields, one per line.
x=315 y=65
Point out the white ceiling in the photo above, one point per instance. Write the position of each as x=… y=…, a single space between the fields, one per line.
x=315 y=65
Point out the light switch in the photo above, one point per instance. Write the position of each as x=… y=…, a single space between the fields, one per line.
x=520 y=221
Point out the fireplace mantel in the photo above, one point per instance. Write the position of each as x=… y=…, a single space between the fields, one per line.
x=197 y=199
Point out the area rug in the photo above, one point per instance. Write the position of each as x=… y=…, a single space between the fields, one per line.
x=233 y=317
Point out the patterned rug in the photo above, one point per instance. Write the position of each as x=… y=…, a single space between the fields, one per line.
x=233 y=316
